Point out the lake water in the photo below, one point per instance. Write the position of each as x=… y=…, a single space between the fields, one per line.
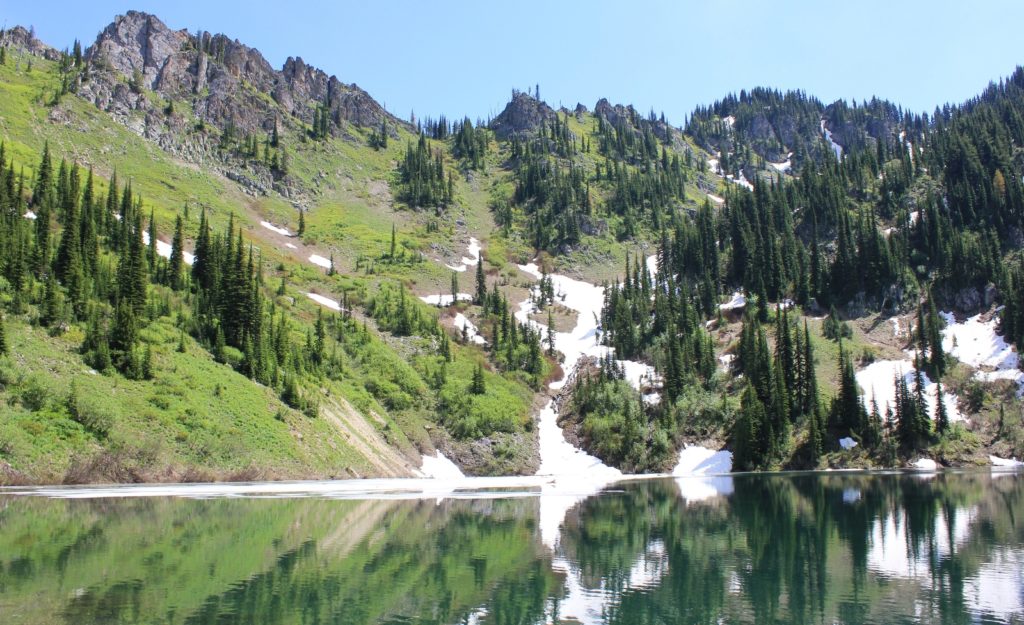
x=788 y=548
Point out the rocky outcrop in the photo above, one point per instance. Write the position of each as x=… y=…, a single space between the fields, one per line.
x=226 y=81
x=619 y=114
x=522 y=115
x=20 y=38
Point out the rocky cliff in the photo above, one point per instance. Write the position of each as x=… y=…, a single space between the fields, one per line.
x=522 y=114
x=227 y=83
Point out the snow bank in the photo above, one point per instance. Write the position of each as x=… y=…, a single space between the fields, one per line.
x=164 y=249
x=878 y=381
x=316 y=259
x=975 y=342
x=468 y=261
x=277 y=229
x=716 y=199
x=290 y=246
x=996 y=461
x=440 y=468
x=838 y=149
x=324 y=301
x=445 y=299
x=737 y=301
x=697 y=460
x=925 y=464
x=784 y=166
x=29 y=215
x=472 y=334
x=847 y=443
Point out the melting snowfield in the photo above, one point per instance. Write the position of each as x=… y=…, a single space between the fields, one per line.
x=468 y=261
x=316 y=259
x=462 y=324
x=277 y=229
x=442 y=299
x=975 y=342
x=164 y=249
x=878 y=381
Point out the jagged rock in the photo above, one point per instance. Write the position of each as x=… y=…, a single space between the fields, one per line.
x=20 y=38
x=967 y=300
x=618 y=114
x=522 y=115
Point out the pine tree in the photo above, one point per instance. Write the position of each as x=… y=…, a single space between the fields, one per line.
x=478 y=386
x=481 y=283
x=455 y=287
x=302 y=223
x=176 y=263
x=3 y=336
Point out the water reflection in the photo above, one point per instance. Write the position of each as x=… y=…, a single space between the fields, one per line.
x=809 y=548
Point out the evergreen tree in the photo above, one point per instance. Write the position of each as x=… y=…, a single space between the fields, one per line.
x=176 y=263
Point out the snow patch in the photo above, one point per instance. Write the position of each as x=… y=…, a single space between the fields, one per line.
x=737 y=301
x=847 y=443
x=471 y=260
x=975 y=342
x=316 y=259
x=925 y=464
x=878 y=381
x=164 y=249
x=784 y=166
x=838 y=149
x=277 y=229
x=29 y=215
x=697 y=460
x=716 y=199
x=290 y=246
x=445 y=299
x=440 y=468
x=996 y=461
x=461 y=324
x=324 y=301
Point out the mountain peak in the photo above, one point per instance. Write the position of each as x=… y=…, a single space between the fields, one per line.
x=523 y=113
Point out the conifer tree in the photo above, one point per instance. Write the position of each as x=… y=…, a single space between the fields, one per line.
x=176 y=263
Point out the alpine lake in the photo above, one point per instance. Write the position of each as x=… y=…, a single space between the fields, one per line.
x=838 y=547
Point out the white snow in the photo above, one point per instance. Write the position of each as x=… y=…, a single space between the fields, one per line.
x=277 y=229
x=697 y=460
x=316 y=259
x=975 y=342
x=895 y=326
x=925 y=464
x=838 y=149
x=742 y=181
x=729 y=119
x=784 y=166
x=713 y=166
x=445 y=299
x=324 y=301
x=914 y=216
x=877 y=380
x=164 y=249
x=471 y=260
x=726 y=359
x=737 y=301
x=651 y=263
x=29 y=215
x=847 y=443
x=290 y=246
x=440 y=468
x=716 y=199
x=996 y=461
x=472 y=334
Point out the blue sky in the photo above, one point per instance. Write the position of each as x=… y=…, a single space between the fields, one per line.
x=463 y=58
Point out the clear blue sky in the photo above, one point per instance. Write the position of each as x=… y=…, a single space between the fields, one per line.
x=460 y=57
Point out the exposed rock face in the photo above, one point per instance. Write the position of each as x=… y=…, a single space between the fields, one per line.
x=20 y=38
x=226 y=80
x=522 y=115
x=619 y=114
